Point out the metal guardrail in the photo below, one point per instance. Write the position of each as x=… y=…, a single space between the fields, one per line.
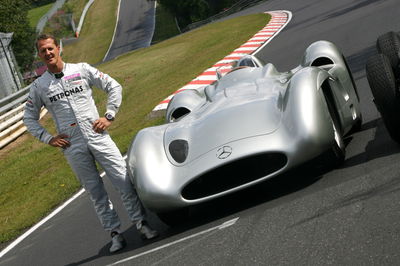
x=13 y=100
x=233 y=9
x=85 y=9
x=11 y=114
x=14 y=127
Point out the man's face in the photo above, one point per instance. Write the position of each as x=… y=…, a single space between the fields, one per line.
x=48 y=52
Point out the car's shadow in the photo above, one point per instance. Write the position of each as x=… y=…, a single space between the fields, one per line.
x=380 y=146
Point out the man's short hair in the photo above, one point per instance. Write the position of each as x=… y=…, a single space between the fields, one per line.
x=45 y=37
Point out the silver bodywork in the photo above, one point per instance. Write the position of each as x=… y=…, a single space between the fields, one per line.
x=253 y=118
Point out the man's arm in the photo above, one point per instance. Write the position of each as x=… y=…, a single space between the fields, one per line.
x=109 y=85
x=32 y=114
x=114 y=93
x=31 y=120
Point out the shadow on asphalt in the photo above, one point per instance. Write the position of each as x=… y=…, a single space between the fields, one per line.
x=380 y=146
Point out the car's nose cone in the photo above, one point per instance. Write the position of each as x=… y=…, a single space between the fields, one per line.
x=217 y=127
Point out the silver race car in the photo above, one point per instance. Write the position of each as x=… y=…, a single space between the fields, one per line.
x=252 y=118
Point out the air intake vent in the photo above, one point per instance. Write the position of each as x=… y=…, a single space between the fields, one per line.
x=322 y=61
x=234 y=174
x=178 y=113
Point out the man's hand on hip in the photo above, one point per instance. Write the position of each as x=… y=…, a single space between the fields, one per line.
x=101 y=124
x=60 y=141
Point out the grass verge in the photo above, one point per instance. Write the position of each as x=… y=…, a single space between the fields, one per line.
x=35 y=178
x=35 y=14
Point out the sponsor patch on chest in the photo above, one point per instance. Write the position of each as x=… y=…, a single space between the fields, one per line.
x=73 y=77
x=66 y=93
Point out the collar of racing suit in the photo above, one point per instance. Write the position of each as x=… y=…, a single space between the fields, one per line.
x=59 y=74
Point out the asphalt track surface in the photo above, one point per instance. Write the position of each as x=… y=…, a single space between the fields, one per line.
x=312 y=216
x=135 y=27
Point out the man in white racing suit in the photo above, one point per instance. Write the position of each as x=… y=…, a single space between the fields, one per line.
x=65 y=90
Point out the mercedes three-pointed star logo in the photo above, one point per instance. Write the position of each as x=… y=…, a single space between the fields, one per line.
x=224 y=152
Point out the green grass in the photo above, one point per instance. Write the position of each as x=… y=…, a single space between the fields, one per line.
x=76 y=8
x=34 y=178
x=166 y=26
x=96 y=34
x=35 y=14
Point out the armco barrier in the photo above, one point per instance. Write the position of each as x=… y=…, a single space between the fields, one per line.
x=86 y=8
x=13 y=100
x=238 y=6
x=13 y=128
x=11 y=114
x=11 y=117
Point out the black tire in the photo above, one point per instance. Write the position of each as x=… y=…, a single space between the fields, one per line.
x=389 y=45
x=382 y=82
x=175 y=217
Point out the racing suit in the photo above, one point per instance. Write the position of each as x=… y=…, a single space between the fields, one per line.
x=69 y=100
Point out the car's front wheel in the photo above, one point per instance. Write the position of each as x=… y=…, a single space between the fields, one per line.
x=382 y=82
x=389 y=45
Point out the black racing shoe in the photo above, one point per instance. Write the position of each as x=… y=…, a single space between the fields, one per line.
x=146 y=232
x=117 y=242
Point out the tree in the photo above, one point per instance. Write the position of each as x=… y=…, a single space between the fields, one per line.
x=14 y=18
x=187 y=11
x=36 y=3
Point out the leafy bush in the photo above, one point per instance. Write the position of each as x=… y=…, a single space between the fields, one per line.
x=37 y=3
x=14 y=18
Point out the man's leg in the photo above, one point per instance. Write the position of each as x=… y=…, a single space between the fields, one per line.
x=108 y=155
x=83 y=165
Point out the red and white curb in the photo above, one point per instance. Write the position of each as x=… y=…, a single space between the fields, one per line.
x=279 y=20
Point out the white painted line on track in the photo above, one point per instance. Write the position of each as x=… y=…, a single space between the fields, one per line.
x=154 y=21
x=218 y=227
x=44 y=220
x=115 y=30
x=32 y=229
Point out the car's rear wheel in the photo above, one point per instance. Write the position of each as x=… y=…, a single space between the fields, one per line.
x=382 y=82
x=175 y=217
x=389 y=45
